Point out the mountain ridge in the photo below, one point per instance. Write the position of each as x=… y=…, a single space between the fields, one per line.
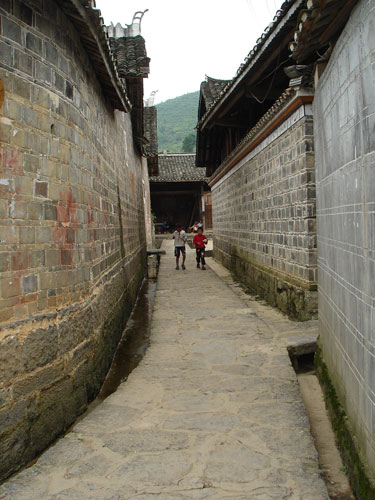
x=177 y=119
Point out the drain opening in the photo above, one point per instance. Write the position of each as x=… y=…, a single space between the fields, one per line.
x=301 y=352
x=303 y=363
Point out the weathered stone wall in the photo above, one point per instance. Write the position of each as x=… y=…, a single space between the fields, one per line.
x=264 y=217
x=72 y=229
x=344 y=111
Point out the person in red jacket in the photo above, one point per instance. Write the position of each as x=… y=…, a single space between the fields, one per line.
x=200 y=242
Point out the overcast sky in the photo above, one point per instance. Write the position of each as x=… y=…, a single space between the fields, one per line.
x=188 y=39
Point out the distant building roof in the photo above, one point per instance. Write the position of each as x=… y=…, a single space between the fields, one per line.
x=179 y=168
x=211 y=88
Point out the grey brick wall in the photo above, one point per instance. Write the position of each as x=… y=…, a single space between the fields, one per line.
x=264 y=218
x=72 y=228
x=344 y=111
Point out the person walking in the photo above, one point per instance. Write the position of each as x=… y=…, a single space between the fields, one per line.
x=200 y=242
x=180 y=239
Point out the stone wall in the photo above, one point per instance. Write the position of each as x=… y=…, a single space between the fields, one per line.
x=264 y=217
x=72 y=228
x=344 y=111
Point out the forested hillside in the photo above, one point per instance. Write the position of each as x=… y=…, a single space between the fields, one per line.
x=177 y=119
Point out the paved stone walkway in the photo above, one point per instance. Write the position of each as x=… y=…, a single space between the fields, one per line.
x=212 y=412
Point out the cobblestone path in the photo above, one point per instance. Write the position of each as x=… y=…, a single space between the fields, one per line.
x=212 y=412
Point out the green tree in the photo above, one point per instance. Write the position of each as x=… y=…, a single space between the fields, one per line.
x=188 y=144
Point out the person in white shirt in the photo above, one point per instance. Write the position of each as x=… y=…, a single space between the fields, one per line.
x=180 y=239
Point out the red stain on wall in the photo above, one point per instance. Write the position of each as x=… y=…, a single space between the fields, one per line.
x=20 y=261
x=64 y=233
x=90 y=214
x=11 y=160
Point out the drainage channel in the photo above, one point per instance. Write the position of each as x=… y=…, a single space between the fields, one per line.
x=134 y=341
x=331 y=465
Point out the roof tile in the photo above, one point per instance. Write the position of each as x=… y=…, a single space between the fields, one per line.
x=179 y=168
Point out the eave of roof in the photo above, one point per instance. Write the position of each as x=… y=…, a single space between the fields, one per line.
x=318 y=25
x=131 y=56
x=178 y=167
x=211 y=89
x=288 y=8
x=290 y=100
x=90 y=26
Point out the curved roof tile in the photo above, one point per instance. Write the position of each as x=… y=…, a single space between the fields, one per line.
x=179 y=168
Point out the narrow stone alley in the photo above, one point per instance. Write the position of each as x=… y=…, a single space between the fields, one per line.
x=213 y=411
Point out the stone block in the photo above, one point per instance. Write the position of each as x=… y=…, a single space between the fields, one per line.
x=26 y=235
x=10 y=357
x=14 y=449
x=21 y=87
x=8 y=235
x=12 y=415
x=38 y=380
x=50 y=212
x=29 y=284
x=43 y=234
x=58 y=82
x=66 y=257
x=35 y=212
x=10 y=287
x=34 y=43
x=43 y=72
x=41 y=189
x=11 y=30
x=47 y=280
x=40 y=96
x=62 y=279
x=50 y=53
x=69 y=89
x=4 y=209
x=5 y=132
x=53 y=258
x=23 y=62
x=63 y=64
x=36 y=258
x=53 y=412
x=6 y=395
x=6 y=54
x=4 y=261
x=12 y=110
x=39 y=348
x=30 y=163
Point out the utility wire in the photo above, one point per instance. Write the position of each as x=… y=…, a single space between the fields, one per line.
x=261 y=101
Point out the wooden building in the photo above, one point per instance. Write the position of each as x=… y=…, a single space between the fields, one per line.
x=178 y=191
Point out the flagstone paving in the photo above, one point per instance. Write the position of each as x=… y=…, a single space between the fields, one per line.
x=213 y=411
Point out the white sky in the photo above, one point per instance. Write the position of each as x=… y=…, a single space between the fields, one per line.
x=187 y=39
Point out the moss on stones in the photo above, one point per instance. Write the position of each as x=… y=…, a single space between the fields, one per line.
x=297 y=302
x=362 y=486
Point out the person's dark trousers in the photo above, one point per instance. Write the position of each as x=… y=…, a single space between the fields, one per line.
x=200 y=256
